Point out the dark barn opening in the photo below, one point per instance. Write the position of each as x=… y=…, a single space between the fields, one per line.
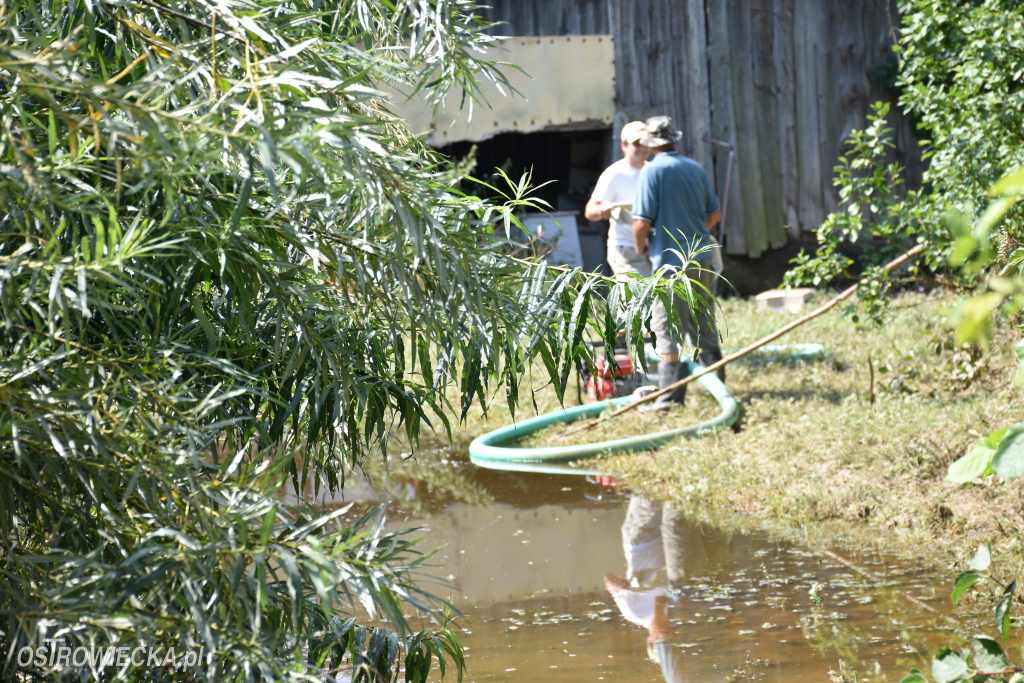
x=570 y=160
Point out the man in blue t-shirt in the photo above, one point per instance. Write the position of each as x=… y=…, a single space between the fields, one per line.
x=676 y=210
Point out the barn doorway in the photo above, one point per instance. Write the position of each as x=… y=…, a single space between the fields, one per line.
x=571 y=160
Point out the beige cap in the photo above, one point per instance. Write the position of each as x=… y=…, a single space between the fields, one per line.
x=634 y=131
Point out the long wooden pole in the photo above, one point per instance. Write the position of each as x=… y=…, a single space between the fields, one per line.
x=842 y=296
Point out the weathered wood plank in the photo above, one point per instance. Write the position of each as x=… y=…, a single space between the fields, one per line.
x=810 y=23
x=748 y=148
x=692 y=46
x=723 y=122
x=783 y=57
x=766 y=106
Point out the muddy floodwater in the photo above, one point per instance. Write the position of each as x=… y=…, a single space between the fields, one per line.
x=554 y=584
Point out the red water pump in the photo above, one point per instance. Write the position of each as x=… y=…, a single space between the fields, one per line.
x=611 y=381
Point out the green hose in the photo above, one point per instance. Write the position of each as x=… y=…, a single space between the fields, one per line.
x=492 y=450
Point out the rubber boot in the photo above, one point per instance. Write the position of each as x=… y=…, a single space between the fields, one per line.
x=713 y=356
x=668 y=374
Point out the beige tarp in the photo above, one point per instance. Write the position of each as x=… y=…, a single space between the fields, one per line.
x=568 y=81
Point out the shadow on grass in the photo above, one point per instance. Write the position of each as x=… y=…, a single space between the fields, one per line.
x=832 y=396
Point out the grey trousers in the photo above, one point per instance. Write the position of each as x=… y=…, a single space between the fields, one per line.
x=700 y=328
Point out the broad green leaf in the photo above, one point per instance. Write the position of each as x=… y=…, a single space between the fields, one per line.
x=988 y=655
x=1018 y=379
x=1008 y=461
x=959 y=223
x=981 y=560
x=1010 y=184
x=948 y=667
x=962 y=250
x=975 y=317
x=993 y=438
x=915 y=676
x=972 y=465
x=963 y=583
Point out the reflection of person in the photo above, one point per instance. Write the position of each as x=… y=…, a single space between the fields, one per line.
x=613 y=197
x=676 y=206
x=652 y=541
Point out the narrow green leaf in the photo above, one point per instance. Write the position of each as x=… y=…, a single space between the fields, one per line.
x=268 y=524
x=51 y=131
x=1001 y=612
x=992 y=215
x=963 y=583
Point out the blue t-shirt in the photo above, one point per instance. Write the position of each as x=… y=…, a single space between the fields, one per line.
x=676 y=196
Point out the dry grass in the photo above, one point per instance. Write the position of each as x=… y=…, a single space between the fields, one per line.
x=857 y=444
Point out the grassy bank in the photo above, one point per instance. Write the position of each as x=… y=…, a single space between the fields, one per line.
x=852 y=449
x=857 y=446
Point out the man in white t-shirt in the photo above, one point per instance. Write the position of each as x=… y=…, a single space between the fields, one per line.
x=612 y=200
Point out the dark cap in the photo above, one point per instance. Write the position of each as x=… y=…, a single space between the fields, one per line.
x=661 y=132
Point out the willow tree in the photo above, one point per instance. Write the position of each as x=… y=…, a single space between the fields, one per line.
x=223 y=265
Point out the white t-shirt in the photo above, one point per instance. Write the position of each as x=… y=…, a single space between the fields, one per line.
x=618 y=184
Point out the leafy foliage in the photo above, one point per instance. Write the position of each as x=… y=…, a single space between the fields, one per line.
x=960 y=65
x=973 y=251
x=876 y=214
x=225 y=265
x=874 y=207
x=985 y=660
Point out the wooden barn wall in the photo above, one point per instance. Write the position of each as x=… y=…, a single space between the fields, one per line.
x=784 y=81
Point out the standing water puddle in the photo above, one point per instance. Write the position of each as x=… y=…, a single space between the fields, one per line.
x=541 y=578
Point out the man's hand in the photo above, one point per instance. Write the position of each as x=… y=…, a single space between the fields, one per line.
x=598 y=210
x=641 y=235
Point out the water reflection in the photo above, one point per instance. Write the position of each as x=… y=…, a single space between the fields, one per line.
x=562 y=580
x=655 y=543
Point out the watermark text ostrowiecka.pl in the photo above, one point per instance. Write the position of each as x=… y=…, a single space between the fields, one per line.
x=54 y=654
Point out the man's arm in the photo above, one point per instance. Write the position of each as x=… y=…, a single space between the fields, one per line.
x=597 y=210
x=711 y=222
x=645 y=210
x=641 y=235
x=712 y=206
